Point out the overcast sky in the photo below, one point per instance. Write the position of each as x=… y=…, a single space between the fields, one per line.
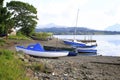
x=94 y=14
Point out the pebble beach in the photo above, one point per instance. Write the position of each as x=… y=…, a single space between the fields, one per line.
x=77 y=68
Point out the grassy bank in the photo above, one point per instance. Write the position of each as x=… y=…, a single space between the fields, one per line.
x=11 y=68
x=19 y=37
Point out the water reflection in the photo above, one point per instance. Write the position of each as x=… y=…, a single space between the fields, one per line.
x=108 y=49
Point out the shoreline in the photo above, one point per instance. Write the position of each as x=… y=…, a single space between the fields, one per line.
x=71 y=68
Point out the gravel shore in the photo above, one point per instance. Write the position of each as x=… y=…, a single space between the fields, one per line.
x=71 y=68
x=77 y=68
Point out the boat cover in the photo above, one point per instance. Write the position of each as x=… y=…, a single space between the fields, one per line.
x=35 y=47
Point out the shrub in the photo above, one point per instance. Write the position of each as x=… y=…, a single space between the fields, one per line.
x=2 y=42
x=42 y=35
x=20 y=37
x=42 y=67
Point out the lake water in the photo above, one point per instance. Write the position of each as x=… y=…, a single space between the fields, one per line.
x=108 y=45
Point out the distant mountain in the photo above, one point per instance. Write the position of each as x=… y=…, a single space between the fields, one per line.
x=49 y=26
x=64 y=30
x=79 y=31
x=115 y=27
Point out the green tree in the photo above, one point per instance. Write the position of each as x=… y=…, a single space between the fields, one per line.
x=1 y=18
x=25 y=16
x=6 y=23
x=1 y=2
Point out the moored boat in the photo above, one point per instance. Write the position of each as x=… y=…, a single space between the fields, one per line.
x=38 y=50
x=82 y=45
x=86 y=49
x=74 y=43
x=71 y=50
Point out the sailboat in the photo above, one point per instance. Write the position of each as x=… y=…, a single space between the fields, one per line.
x=79 y=45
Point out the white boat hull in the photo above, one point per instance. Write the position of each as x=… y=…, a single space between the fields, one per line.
x=86 y=50
x=91 y=48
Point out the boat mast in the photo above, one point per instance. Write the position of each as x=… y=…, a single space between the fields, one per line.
x=76 y=23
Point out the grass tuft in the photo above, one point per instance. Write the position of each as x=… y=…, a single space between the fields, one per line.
x=11 y=68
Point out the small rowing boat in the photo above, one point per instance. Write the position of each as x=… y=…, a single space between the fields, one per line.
x=38 y=50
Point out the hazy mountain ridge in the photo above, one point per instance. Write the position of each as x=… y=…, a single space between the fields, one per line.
x=64 y=30
x=115 y=27
x=51 y=25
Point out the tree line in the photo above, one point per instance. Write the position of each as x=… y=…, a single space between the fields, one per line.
x=17 y=15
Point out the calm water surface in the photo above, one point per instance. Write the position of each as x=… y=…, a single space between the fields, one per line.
x=108 y=45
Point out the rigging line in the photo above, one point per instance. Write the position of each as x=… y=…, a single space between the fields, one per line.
x=76 y=23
